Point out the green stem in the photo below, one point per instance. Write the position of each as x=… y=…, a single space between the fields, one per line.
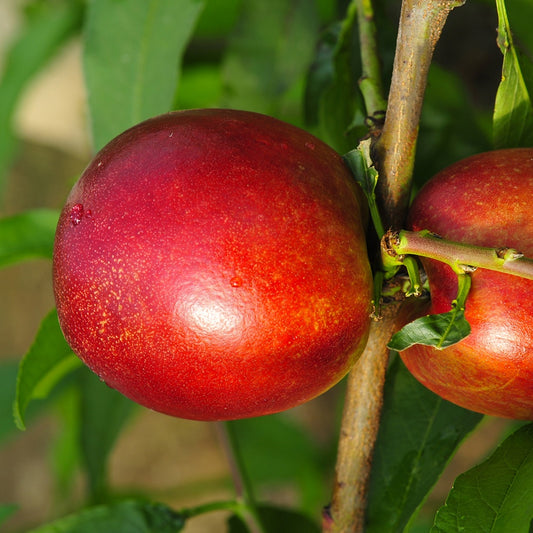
x=246 y=508
x=370 y=83
x=460 y=256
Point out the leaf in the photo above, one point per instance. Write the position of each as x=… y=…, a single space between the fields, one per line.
x=132 y=58
x=103 y=414
x=418 y=435
x=27 y=235
x=513 y=110
x=439 y=331
x=278 y=450
x=495 y=496
x=270 y=50
x=8 y=380
x=339 y=105
x=47 y=361
x=276 y=520
x=130 y=516
x=38 y=41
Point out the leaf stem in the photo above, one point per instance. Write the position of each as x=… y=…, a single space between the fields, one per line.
x=370 y=83
x=243 y=488
x=460 y=256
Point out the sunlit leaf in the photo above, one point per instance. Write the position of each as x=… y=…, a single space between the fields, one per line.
x=418 y=435
x=495 y=496
x=132 y=58
x=47 y=361
x=124 y=517
x=27 y=235
x=513 y=111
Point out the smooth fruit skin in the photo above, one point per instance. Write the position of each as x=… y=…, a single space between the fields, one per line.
x=487 y=200
x=211 y=264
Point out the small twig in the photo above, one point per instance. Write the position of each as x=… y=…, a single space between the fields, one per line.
x=456 y=254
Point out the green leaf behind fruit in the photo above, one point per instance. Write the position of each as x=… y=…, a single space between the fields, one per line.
x=124 y=517
x=268 y=56
x=419 y=432
x=103 y=414
x=132 y=59
x=495 y=496
x=27 y=235
x=47 y=361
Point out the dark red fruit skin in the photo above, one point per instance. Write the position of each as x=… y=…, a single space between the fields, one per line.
x=211 y=264
x=487 y=200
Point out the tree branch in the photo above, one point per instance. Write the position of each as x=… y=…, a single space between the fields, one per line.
x=421 y=23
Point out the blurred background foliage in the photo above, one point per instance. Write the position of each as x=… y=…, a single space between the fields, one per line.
x=74 y=74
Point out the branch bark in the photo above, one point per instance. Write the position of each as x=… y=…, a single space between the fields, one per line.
x=421 y=23
x=420 y=26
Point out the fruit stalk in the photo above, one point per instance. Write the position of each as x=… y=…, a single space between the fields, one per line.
x=458 y=255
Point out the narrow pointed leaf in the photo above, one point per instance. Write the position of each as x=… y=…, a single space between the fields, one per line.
x=513 y=111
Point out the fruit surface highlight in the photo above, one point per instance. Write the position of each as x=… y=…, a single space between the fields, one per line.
x=211 y=264
x=485 y=200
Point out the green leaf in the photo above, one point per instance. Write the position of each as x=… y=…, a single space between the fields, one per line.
x=276 y=520
x=38 y=41
x=513 y=110
x=124 y=517
x=47 y=361
x=278 y=450
x=419 y=433
x=8 y=383
x=103 y=414
x=132 y=57
x=270 y=50
x=495 y=496
x=439 y=331
x=340 y=107
x=27 y=235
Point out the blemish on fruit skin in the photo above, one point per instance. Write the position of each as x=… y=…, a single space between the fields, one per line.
x=236 y=281
x=310 y=145
x=76 y=214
